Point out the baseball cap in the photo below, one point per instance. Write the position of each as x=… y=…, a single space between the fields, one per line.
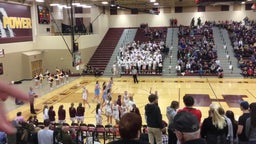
x=185 y=122
x=244 y=104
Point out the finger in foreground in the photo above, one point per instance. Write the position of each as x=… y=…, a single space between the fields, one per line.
x=5 y=125
x=10 y=90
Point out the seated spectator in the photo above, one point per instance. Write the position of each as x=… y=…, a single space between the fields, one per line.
x=19 y=118
x=3 y=138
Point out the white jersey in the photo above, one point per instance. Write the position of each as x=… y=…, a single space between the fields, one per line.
x=85 y=94
x=116 y=112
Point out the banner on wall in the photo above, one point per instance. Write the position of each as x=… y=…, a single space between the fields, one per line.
x=15 y=23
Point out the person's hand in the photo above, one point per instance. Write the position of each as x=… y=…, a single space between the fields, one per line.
x=5 y=91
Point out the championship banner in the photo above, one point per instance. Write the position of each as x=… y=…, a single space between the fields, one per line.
x=15 y=23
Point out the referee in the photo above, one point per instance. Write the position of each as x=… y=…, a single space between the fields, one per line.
x=134 y=75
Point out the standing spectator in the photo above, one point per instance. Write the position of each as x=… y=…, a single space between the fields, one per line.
x=231 y=116
x=230 y=136
x=98 y=115
x=61 y=114
x=244 y=106
x=214 y=128
x=32 y=96
x=72 y=113
x=187 y=128
x=251 y=124
x=171 y=111
x=80 y=113
x=135 y=109
x=189 y=102
x=135 y=75
x=51 y=114
x=154 y=120
x=45 y=112
x=45 y=136
x=85 y=96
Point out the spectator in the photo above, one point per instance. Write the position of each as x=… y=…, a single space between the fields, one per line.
x=170 y=114
x=230 y=136
x=189 y=102
x=231 y=116
x=186 y=127
x=45 y=136
x=165 y=139
x=64 y=136
x=3 y=138
x=135 y=109
x=244 y=106
x=154 y=120
x=129 y=128
x=251 y=124
x=214 y=128
x=19 y=118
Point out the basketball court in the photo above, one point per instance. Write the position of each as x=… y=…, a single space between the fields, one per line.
x=228 y=92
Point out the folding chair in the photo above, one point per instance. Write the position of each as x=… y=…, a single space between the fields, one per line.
x=110 y=131
x=100 y=129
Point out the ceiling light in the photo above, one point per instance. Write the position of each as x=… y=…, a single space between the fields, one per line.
x=156 y=4
x=39 y=0
x=54 y=4
x=243 y=2
x=104 y=2
x=67 y=7
x=152 y=1
x=249 y=0
x=86 y=6
x=76 y=4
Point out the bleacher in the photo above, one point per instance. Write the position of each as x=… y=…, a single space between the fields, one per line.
x=196 y=52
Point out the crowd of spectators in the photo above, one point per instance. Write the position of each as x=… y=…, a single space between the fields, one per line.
x=197 y=52
x=146 y=57
x=154 y=34
x=243 y=38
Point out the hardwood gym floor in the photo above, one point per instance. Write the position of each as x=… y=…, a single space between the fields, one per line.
x=228 y=92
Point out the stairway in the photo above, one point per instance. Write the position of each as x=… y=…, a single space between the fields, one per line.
x=126 y=37
x=225 y=53
x=106 y=48
x=171 y=60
